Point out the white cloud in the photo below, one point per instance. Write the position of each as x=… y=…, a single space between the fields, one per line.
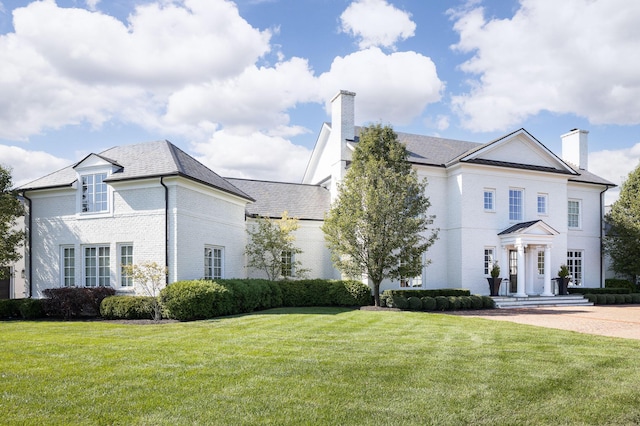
x=28 y=165
x=376 y=23
x=574 y=56
x=92 y=4
x=255 y=155
x=392 y=88
x=615 y=166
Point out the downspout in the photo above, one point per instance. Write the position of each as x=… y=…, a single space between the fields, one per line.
x=166 y=229
x=602 y=235
x=29 y=243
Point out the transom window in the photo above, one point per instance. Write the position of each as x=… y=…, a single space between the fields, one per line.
x=573 y=218
x=213 y=263
x=574 y=263
x=94 y=193
x=489 y=200
x=516 y=204
x=97 y=266
x=68 y=266
x=126 y=259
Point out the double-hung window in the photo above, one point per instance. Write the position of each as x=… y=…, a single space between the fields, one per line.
x=68 y=266
x=126 y=262
x=516 y=204
x=213 y=261
x=97 y=266
x=94 y=193
x=489 y=200
x=542 y=204
x=573 y=216
x=286 y=268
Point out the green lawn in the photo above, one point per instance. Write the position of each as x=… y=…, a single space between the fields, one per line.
x=315 y=366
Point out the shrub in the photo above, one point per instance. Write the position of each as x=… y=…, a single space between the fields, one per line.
x=415 y=304
x=488 y=302
x=31 y=308
x=620 y=283
x=454 y=303
x=620 y=299
x=399 y=302
x=593 y=298
x=198 y=299
x=428 y=303
x=429 y=293
x=611 y=299
x=635 y=298
x=628 y=298
x=442 y=303
x=9 y=308
x=351 y=293
x=585 y=290
x=127 y=307
x=69 y=302
x=476 y=302
x=601 y=299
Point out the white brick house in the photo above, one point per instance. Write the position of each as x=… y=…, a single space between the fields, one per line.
x=510 y=200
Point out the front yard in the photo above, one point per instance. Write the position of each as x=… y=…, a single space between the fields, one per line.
x=315 y=366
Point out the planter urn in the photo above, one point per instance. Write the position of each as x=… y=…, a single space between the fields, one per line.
x=494 y=285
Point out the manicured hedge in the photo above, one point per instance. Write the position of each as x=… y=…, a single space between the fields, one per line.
x=198 y=299
x=127 y=307
x=613 y=299
x=72 y=302
x=439 y=303
x=429 y=293
x=21 y=309
x=584 y=290
x=620 y=283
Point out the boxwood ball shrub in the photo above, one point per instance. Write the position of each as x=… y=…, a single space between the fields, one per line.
x=127 y=307
x=635 y=297
x=476 y=302
x=442 y=303
x=198 y=299
x=488 y=302
x=415 y=303
x=428 y=303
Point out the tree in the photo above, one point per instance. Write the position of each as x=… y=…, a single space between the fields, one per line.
x=271 y=247
x=151 y=278
x=11 y=238
x=622 y=242
x=378 y=224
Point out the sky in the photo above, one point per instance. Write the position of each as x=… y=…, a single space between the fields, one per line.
x=244 y=86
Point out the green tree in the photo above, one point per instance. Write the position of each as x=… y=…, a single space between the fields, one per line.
x=11 y=238
x=378 y=225
x=622 y=242
x=271 y=248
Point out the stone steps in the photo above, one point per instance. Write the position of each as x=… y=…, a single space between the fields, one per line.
x=503 y=302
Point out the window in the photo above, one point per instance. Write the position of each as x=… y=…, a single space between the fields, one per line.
x=489 y=200
x=489 y=260
x=126 y=259
x=573 y=209
x=213 y=263
x=542 y=204
x=286 y=269
x=574 y=263
x=515 y=204
x=68 y=266
x=411 y=282
x=97 y=266
x=540 y=263
x=94 y=193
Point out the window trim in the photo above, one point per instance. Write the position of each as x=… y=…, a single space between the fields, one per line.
x=63 y=265
x=545 y=197
x=579 y=214
x=210 y=269
x=98 y=267
x=575 y=272
x=520 y=211
x=540 y=263
x=492 y=192
x=489 y=259
x=287 y=259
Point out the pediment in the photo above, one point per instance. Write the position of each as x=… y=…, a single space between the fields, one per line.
x=518 y=149
x=95 y=161
x=536 y=227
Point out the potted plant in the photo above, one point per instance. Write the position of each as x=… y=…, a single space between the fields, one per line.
x=563 y=279
x=494 y=281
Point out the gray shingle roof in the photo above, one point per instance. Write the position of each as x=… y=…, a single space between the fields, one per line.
x=301 y=201
x=145 y=160
x=518 y=227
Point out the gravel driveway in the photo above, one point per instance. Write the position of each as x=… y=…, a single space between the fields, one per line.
x=615 y=321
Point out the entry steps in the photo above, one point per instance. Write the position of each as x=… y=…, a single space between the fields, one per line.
x=503 y=302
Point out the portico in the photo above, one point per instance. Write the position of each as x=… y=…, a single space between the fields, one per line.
x=526 y=250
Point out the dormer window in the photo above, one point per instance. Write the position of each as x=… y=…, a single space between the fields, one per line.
x=94 y=193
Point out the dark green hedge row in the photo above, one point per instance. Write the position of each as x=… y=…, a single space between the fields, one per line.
x=202 y=299
x=438 y=303
x=21 y=309
x=74 y=302
x=620 y=283
x=428 y=293
x=613 y=299
x=581 y=290
x=127 y=307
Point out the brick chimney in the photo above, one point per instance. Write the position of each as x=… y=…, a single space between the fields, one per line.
x=575 y=148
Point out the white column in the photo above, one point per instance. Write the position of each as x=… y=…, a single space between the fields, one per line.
x=504 y=288
x=547 y=271
x=521 y=272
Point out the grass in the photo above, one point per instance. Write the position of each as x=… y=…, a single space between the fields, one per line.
x=315 y=366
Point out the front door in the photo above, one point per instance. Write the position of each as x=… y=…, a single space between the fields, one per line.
x=513 y=271
x=5 y=283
